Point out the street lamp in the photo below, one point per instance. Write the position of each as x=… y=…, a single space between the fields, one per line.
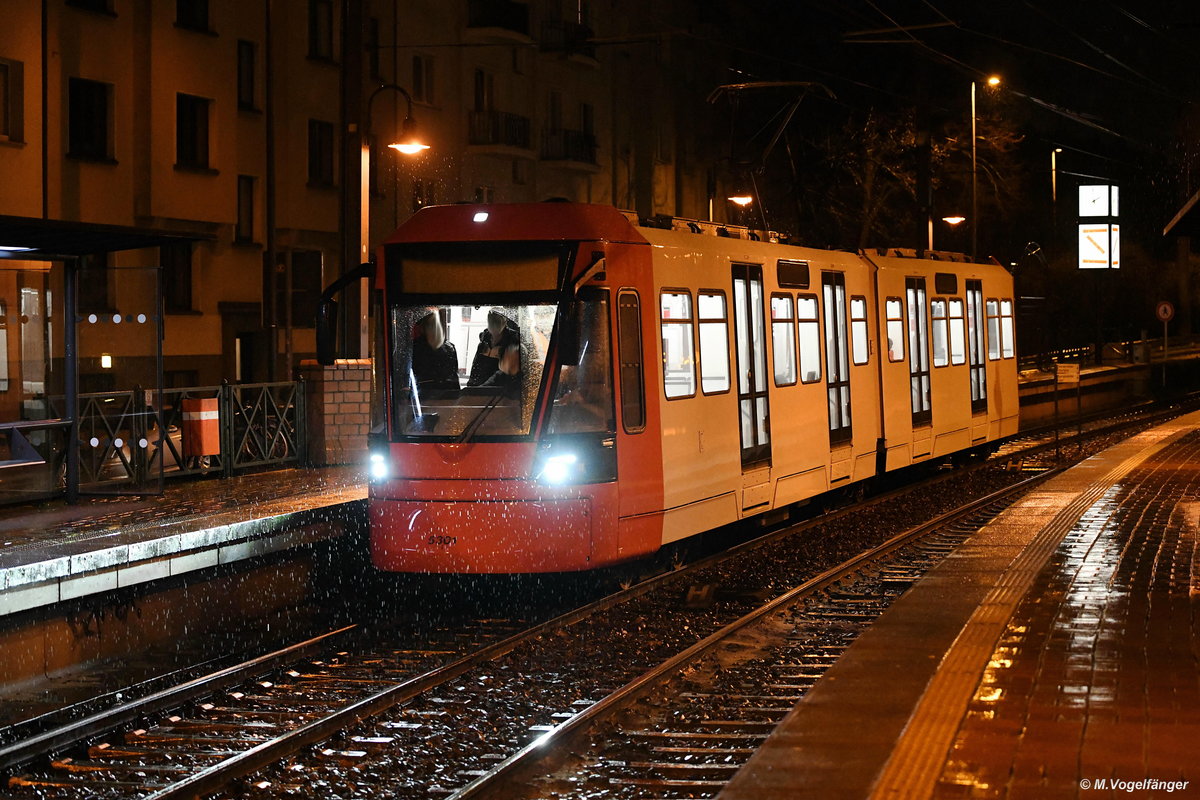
x=992 y=81
x=410 y=143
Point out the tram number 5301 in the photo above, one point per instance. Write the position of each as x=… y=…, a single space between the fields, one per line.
x=438 y=540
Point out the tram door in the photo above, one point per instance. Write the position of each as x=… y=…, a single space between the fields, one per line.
x=753 y=412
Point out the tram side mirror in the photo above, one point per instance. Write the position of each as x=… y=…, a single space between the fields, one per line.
x=326 y=330
x=568 y=351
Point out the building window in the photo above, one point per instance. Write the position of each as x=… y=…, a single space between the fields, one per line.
x=422 y=194
x=485 y=90
x=485 y=194
x=373 y=48
x=306 y=288
x=422 y=79
x=245 y=209
x=99 y=6
x=93 y=283
x=192 y=14
x=176 y=276
x=587 y=118
x=320 y=153
x=320 y=29
x=246 y=75
x=89 y=119
x=520 y=171
x=191 y=131
x=554 y=111
x=12 y=101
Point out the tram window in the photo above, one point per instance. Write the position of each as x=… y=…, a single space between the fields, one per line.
x=783 y=339
x=679 y=361
x=993 y=329
x=937 y=311
x=958 y=353
x=894 y=308
x=714 y=342
x=1006 y=328
x=810 y=338
x=859 y=341
x=629 y=333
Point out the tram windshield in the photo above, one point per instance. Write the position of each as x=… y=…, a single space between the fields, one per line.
x=470 y=372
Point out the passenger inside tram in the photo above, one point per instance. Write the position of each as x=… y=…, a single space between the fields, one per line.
x=434 y=359
x=497 y=361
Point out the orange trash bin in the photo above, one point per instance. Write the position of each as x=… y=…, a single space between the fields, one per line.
x=201 y=427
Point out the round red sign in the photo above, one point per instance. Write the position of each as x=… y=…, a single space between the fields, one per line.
x=1164 y=311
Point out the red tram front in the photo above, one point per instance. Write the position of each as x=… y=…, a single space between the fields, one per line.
x=501 y=450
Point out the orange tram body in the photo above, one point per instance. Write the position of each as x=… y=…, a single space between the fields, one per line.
x=566 y=390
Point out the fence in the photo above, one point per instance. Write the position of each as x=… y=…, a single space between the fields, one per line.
x=124 y=439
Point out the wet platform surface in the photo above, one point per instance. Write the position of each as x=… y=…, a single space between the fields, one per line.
x=1054 y=655
x=53 y=551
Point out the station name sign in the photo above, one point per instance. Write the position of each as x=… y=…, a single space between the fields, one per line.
x=1099 y=233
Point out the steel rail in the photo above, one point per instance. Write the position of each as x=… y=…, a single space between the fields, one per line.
x=564 y=732
x=47 y=742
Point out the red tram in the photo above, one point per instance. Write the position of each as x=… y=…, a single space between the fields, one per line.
x=566 y=389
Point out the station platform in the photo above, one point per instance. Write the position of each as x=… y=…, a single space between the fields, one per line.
x=1053 y=655
x=54 y=552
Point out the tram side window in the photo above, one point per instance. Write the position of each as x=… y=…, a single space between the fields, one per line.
x=714 y=342
x=807 y=315
x=1006 y=329
x=993 y=329
x=937 y=311
x=958 y=347
x=679 y=361
x=859 y=340
x=894 y=308
x=629 y=329
x=783 y=339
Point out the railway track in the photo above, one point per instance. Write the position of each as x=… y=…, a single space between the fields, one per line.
x=442 y=714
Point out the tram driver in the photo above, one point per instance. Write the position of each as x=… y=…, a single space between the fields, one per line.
x=497 y=359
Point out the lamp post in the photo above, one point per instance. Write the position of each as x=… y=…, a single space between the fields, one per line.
x=409 y=143
x=992 y=81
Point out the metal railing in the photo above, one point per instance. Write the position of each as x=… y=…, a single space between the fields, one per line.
x=124 y=439
x=499 y=128
x=568 y=145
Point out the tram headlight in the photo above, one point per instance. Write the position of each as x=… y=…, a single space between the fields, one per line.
x=378 y=467
x=559 y=469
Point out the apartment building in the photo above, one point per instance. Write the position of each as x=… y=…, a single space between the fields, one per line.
x=206 y=158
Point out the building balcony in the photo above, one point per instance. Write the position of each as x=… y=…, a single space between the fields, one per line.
x=573 y=149
x=498 y=21
x=569 y=39
x=499 y=130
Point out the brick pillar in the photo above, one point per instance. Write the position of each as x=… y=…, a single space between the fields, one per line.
x=339 y=410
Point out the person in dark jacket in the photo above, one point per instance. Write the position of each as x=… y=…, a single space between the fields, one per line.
x=434 y=360
x=497 y=359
